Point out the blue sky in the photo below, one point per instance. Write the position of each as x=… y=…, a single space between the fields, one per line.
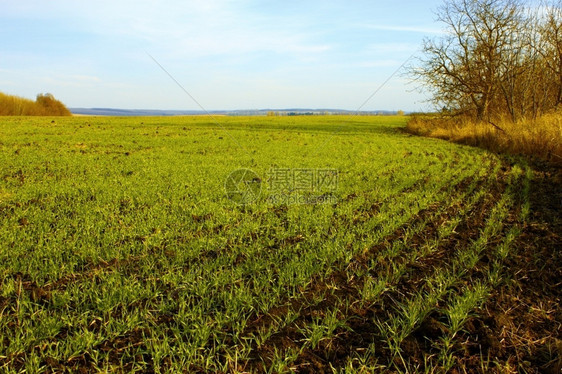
x=243 y=54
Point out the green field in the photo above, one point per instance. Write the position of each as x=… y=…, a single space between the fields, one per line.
x=120 y=249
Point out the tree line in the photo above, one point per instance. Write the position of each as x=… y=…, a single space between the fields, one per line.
x=44 y=105
x=497 y=59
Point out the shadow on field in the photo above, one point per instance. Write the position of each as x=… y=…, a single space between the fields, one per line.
x=522 y=323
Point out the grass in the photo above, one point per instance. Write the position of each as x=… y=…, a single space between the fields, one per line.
x=120 y=250
x=540 y=138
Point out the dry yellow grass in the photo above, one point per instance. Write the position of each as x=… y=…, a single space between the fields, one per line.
x=45 y=105
x=540 y=138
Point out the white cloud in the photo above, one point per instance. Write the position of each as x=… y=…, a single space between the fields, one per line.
x=387 y=63
x=198 y=28
x=385 y=49
x=71 y=80
x=230 y=53
x=84 y=78
x=399 y=28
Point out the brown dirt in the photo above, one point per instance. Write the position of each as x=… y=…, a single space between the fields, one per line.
x=520 y=327
x=361 y=330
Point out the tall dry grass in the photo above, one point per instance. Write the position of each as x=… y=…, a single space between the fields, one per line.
x=45 y=105
x=540 y=138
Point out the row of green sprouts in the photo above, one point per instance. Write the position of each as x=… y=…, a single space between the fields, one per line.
x=141 y=279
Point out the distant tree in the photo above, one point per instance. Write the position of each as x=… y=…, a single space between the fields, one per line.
x=51 y=105
x=44 y=105
x=400 y=113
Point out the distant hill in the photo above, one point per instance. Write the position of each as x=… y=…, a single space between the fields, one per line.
x=132 y=112
x=44 y=105
x=250 y=112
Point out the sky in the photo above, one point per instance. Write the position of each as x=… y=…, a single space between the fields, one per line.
x=227 y=54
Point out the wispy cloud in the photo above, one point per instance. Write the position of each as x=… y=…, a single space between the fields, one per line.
x=386 y=63
x=399 y=28
x=72 y=80
x=200 y=28
x=385 y=49
x=227 y=51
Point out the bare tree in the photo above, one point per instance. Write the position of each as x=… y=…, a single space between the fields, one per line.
x=550 y=49
x=498 y=58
